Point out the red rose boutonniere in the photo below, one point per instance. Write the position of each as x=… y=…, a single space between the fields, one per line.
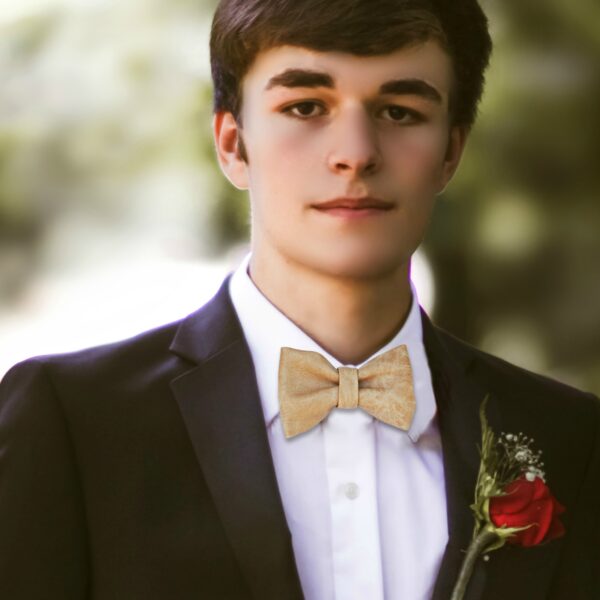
x=512 y=504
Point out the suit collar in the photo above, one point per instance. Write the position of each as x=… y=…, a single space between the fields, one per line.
x=209 y=330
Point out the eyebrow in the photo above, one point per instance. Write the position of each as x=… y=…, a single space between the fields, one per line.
x=412 y=87
x=295 y=78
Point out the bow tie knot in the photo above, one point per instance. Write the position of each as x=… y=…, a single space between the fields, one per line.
x=310 y=387
x=348 y=387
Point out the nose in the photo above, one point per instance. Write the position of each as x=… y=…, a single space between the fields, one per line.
x=355 y=150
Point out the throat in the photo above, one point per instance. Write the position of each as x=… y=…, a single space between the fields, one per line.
x=349 y=319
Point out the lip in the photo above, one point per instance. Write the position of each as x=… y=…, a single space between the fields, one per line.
x=366 y=203
x=353 y=208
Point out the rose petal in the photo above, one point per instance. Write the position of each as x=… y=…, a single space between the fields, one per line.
x=541 y=516
x=528 y=504
x=557 y=529
x=540 y=489
x=518 y=496
x=537 y=517
x=559 y=509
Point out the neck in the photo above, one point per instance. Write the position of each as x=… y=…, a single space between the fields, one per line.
x=351 y=318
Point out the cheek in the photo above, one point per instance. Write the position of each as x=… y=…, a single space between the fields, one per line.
x=282 y=155
x=281 y=164
x=418 y=157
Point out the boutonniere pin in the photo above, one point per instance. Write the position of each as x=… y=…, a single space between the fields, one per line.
x=512 y=504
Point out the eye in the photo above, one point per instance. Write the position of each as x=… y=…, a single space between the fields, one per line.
x=401 y=115
x=304 y=110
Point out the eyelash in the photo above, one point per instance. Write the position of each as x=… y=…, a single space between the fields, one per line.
x=415 y=117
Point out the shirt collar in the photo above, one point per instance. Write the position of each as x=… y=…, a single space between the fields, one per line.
x=267 y=330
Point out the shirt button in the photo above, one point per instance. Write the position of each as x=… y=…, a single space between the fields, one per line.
x=351 y=490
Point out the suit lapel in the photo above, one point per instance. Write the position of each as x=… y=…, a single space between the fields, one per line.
x=219 y=401
x=458 y=398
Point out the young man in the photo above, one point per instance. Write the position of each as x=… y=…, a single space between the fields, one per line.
x=189 y=462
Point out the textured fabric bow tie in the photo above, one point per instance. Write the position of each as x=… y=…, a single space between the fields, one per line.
x=309 y=387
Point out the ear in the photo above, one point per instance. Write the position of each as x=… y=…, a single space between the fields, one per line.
x=227 y=136
x=457 y=141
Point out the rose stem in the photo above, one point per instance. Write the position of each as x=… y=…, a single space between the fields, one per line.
x=476 y=547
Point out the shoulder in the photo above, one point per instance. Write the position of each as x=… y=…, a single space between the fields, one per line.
x=101 y=371
x=559 y=414
x=507 y=377
x=122 y=374
x=130 y=353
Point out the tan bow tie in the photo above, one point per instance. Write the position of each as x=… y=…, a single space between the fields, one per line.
x=309 y=387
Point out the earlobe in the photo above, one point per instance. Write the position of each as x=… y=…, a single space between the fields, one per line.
x=227 y=135
x=457 y=141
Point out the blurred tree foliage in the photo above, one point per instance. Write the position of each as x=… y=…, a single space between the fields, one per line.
x=93 y=102
x=516 y=241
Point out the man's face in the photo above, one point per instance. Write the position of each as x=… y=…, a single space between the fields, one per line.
x=321 y=126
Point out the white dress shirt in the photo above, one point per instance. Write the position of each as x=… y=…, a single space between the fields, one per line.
x=365 y=502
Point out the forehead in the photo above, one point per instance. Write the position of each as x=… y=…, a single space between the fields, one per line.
x=427 y=62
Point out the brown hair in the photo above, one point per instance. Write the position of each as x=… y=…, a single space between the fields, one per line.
x=243 y=28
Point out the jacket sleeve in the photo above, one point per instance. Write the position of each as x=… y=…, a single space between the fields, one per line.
x=42 y=523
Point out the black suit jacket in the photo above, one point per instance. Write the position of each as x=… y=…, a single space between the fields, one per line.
x=142 y=471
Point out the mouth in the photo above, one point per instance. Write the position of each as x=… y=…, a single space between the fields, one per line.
x=354 y=207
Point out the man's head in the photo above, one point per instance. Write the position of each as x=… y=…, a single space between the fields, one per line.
x=364 y=103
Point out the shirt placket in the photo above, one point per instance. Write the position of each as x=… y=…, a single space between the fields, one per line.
x=350 y=453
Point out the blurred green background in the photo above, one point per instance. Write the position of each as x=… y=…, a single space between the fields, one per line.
x=114 y=215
